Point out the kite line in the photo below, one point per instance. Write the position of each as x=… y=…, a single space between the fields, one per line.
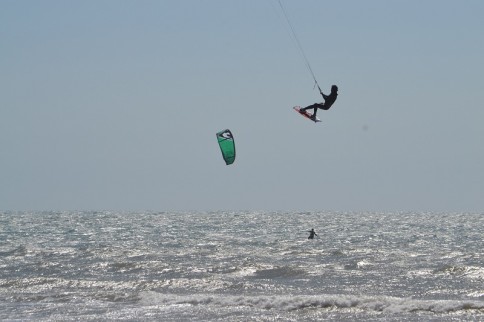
x=298 y=43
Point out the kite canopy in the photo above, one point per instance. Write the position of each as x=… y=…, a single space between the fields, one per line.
x=227 y=145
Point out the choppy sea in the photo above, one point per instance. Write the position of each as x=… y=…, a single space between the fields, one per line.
x=241 y=266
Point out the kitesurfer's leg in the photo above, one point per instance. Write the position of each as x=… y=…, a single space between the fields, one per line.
x=315 y=106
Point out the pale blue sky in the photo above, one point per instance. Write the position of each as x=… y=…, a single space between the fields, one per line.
x=115 y=105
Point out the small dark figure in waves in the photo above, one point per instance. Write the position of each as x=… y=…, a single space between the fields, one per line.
x=312 y=233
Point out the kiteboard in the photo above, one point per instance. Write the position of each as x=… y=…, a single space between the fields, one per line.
x=306 y=114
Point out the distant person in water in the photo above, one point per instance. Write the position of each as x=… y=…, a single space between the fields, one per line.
x=311 y=234
x=328 y=102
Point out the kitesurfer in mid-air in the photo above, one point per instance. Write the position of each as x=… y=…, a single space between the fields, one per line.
x=328 y=102
x=311 y=233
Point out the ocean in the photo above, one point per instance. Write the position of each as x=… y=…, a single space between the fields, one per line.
x=241 y=266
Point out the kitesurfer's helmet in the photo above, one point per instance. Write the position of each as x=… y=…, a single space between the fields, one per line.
x=334 y=89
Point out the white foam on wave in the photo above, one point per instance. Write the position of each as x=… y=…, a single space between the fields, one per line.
x=377 y=304
x=471 y=272
x=245 y=271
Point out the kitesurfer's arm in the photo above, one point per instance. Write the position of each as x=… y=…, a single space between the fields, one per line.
x=321 y=92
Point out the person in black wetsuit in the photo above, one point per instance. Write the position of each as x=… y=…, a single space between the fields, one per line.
x=328 y=102
x=311 y=234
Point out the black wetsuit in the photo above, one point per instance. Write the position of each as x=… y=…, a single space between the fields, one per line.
x=311 y=234
x=328 y=102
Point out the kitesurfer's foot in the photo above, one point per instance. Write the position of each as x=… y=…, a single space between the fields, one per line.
x=313 y=117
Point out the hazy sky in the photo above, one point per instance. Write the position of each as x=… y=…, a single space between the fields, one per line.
x=115 y=105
